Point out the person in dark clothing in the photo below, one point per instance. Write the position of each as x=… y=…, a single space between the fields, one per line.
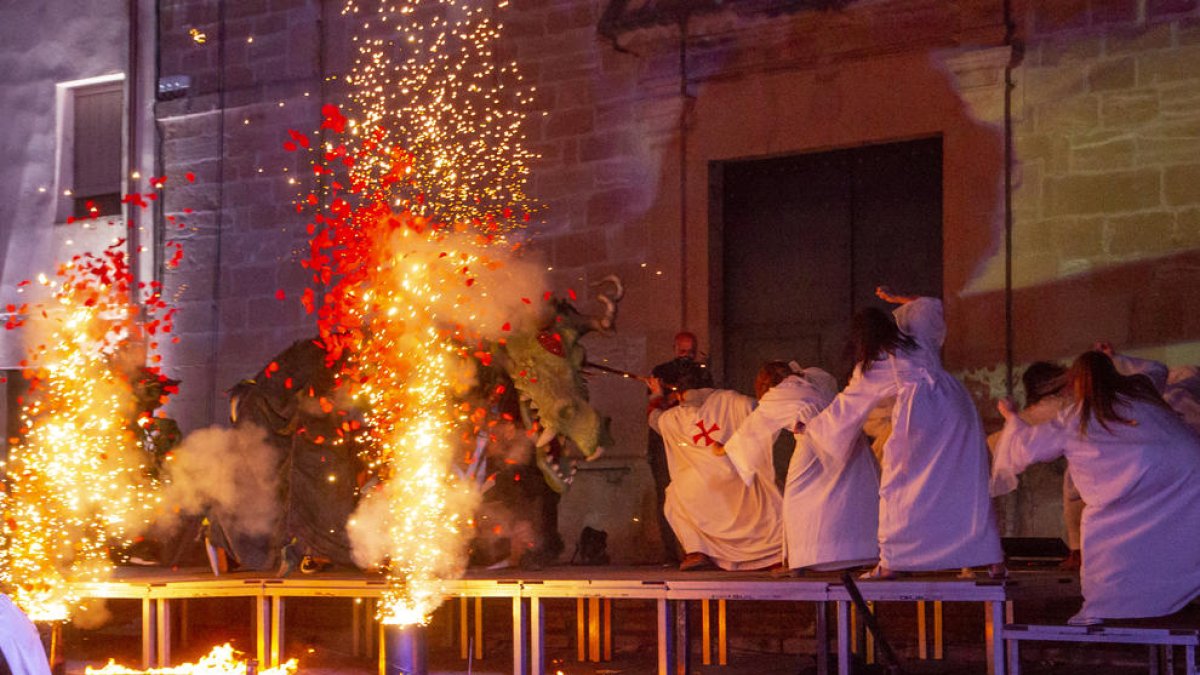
x=685 y=365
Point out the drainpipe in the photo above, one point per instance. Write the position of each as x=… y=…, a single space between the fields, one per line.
x=133 y=111
x=1009 y=331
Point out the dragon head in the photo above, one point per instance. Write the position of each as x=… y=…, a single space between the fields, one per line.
x=545 y=366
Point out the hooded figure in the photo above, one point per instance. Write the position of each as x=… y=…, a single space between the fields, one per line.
x=830 y=507
x=719 y=519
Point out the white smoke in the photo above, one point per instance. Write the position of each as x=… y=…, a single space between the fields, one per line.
x=233 y=472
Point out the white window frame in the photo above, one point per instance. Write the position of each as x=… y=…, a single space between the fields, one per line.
x=64 y=161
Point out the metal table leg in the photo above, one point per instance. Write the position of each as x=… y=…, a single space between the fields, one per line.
x=994 y=635
x=520 y=636
x=922 y=648
x=149 y=633
x=722 y=637
x=277 y=615
x=537 y=636
x=163 y=632
x=581 y=628
x=262 y=628
x=821 y=633
x=666 y=637
x=593 y=625
x=843 y=636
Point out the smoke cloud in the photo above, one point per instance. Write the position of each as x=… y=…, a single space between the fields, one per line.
x=232 y=472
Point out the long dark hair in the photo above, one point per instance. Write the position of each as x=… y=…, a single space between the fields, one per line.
x=1099 y=388
x=872 y=333
x=770 y=374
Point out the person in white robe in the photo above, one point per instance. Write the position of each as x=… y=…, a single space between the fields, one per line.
x=19 y=641
x=1046 y=396
x=1176 y=389
x=719 y=519
x=934 y=509
x=1179 y=386
x=830 y=507
x=1137 y=466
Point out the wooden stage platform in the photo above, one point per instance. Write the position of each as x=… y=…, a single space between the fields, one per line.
x=593 y=588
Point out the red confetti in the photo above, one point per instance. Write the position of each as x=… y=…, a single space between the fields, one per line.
x=280 y=295
x=299 y=138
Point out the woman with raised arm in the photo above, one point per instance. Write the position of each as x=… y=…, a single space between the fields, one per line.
x=934 y=509
x=1137 y=467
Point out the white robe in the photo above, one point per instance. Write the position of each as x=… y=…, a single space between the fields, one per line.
x=19 y=641
x=934 y=510
x=1141 y=486
x=1183 y=394
x=830 y=508
x=1180 y=386
x=708 y=506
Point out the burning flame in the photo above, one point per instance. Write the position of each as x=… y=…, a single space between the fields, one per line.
x=222 y=660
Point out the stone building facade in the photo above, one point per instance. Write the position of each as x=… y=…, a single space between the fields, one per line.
x=1103 y=117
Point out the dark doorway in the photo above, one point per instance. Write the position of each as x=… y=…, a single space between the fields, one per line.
x=806 y=239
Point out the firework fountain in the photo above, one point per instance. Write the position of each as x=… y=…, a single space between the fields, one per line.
x=415 y=252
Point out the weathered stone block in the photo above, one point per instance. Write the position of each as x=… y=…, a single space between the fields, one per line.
x=1141 y=234
x=1128 y=110
x=1171 y=143
x=1138 y=40
x=614 y=206
x=1114 y=11
x=1052 y=17
x=1103 y=152
x=580 y=248
x=1187 y=228
x=1113 y=192
x=1187 y=32
x=607 y=145
x=1181 y=184
x=1076 y=113
x=1053 y=84
x=1161 y=8
x=1077 y=237
x=1182 y=63
x=1059 y=50
x=1179 y=100
x=568 y=122
x=1113 y=74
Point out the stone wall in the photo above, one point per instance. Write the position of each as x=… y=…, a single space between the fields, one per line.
x=1106 y=122
x=1107 y=212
